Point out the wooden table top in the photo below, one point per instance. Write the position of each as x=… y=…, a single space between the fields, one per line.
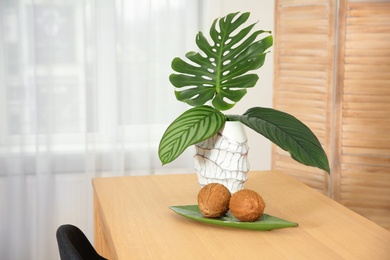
x=133 y=221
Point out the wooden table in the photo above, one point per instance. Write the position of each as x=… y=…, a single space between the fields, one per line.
x=133 y=221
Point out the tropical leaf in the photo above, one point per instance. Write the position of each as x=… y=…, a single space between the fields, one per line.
x=219 y=73
x=265 y=223
x=193 y=126
x=288 y=133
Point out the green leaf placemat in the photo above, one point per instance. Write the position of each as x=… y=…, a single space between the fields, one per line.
x=265 y=223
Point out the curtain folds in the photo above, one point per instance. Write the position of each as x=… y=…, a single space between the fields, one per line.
x=84 y=93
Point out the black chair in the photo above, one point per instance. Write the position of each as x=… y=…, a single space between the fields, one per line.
x=74 y=245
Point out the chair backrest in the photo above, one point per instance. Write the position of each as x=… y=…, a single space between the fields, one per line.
x=74 y=245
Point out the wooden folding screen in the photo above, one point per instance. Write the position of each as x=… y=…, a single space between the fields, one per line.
x=332 y=71
x=304 y=62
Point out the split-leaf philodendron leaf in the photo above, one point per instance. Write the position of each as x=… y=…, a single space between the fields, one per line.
x=219 y=73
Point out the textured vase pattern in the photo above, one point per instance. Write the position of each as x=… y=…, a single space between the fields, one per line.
x=223 y=158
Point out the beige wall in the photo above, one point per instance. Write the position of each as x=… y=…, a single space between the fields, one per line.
x=263 y=13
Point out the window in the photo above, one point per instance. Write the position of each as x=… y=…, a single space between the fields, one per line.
x=91 y=75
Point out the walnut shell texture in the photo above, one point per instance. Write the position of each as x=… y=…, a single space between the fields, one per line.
x=246 y=205
x=213 y=200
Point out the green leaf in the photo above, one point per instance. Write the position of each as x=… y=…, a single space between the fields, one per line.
x=288 y=133
x=265 y=223
x=193 y=126
x=219 y=72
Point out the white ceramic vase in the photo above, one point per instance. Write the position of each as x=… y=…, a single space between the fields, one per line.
x=223 y=157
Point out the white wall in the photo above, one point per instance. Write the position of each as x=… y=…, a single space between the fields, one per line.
x=262 y=12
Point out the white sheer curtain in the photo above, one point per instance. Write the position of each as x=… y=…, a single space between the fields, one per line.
x=84 y=92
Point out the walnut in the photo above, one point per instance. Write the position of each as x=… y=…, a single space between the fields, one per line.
x=213 y=200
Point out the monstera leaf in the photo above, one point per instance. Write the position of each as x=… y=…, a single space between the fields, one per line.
x=219 y=73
